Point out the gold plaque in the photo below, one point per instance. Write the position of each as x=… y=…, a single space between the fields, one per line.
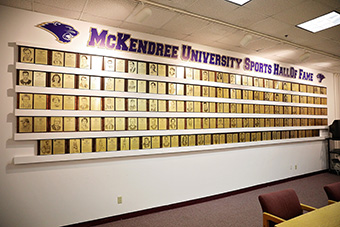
x=96 y=103
x=132 y=104
x=69 y=103
x=95 y=83
x=146 y=142
x=142 y=86
x=180 y=123
x=212 y=107
x=153 y=123
x=180 y=89
x=58 y=58
x=120 y=65
x=141 y=68
x=132 y=86
x=180 y=106
x=83 y=82
x=219 y=77
x=142 y=123
x=84 y=61
x=197 y=74
x=45 y=147
x=132 y=67
x=69 y=124
x=96 y=124
x=120 y=123
x=40 y=124
x=174 y=141
x=198 y=123
x=56 y=102
x=162 y=122
x=172 y=123
x=39 y=79
x=205 y=75
x=112 y=144
x=84 y=123
x=26 y=55
x=233 y=108
x=171 y=89
x=197 y=90
x=229 y=138
x=109 y=83
x=225 y=78
x=120 y=104
x=100 y=144
x=96 y=62
x=153 y=87
x=74 y=146
x=132 y=123
x=109 y=104
x=189 y=73
x=232 y=79
x=166 y=141
x=238 y=79
x=58 y=146
x=212 y=122
x=86 y=145
x=205 y=91
x=206 y=123
x=134 y=143
x=70 y=60
x=56 y=80
x=68 y=81
x=212 y=92
x=153 y=69
x=200 y=140
x=189 y=106
x=189 y=90
x=172 y=106
x=83 y=103
x=109 y=64
x=172 y=71
x=156 y=143
x=153 y=105
x=190 y=123
x=197 y=106
x=212 y=76
x=109 y=124
x=205 y=107
x=124 y=143
x=25 y=78
x=119 y=84
x=242 y=137
x=39 y=101
x=140 y=102
x=207 y=139
x=56 y=124
x=184 y=140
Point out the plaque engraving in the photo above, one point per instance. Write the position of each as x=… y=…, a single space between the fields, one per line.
x=41 y=56
x=84 y=82
x=58 y=146
x=39 y=101
x=69 y=124
x=56 y=102
x=58 y=58
x=45 y=147
x=26 y=54
x=84 y=61
x=40 y=124
x=146 y=142
x=109 y=64
x=120 y=65
x=109 y=123
x=84 y=103
x=109 y=83
x=56 y=80
x=109 y=104
x=84 y=123
x=112 y=144
x=100 y=144
x=68 y=81
x=70 y=60
x=56 y=124
x=86 y=145
x=25 y=78
x=96 y=124
x=74 y=146
x=69 y=102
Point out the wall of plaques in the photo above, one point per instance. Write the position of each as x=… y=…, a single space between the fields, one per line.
x=80 y=103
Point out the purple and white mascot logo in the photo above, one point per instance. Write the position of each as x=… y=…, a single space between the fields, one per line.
x=63 y=32
x=320 y=77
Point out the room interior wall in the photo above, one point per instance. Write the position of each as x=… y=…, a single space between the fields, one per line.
x=61 y=193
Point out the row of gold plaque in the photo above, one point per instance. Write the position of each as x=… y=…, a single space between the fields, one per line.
x=129 y=85
x=67 y=59
x=48 y=147
x=72 y=124
x=67 y=102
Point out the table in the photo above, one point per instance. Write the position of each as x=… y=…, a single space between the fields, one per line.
x=327 y=216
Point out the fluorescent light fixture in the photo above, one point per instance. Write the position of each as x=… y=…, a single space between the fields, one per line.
x=143 y=14
x=304 y=57
x=321 y=23
x=245 y=40
x=239 y=2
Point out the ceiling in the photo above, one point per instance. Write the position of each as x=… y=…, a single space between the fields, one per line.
x=216 y=23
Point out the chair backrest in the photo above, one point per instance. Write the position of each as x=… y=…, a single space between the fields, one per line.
x=333 y=191
x=284 y=204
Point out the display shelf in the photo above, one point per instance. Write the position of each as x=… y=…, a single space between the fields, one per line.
x=96 y=113
x=34 y=159
x=101 y=73
x=103 y=93
x=126 y=133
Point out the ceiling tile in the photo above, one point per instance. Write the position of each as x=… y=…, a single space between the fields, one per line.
x=100 y=20
x=331 y=33
x=180 y=4
x=244 y=17
x=184 y=24
x=74 y=5
x=158 y=18
x=331 y=3
x=217 y=9
x=136 y=27
x=271 y=27
x=111 y=9
x=168 y=34
x=56 y=11
x=303 y=12
x=261 y=44
x=271 y=7
x=21 y=4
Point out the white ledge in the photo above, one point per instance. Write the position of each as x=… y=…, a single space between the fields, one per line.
x=18 y=160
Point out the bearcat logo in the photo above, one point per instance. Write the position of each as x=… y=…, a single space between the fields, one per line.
x=320 y=77
x=63 y=32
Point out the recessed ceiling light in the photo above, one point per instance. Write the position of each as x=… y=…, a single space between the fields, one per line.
x=321 y=23
x=239 y=2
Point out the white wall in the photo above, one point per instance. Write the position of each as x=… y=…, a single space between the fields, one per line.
x=69 y=192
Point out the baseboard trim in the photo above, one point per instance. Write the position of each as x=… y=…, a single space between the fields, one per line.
x=187 y=203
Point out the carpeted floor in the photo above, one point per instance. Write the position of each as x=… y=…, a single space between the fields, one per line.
x=233 y=211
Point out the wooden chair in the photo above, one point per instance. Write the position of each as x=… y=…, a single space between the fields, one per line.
x=333 y=192
x=280 y=206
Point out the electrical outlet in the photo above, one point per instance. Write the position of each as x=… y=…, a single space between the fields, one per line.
x=295 y=166
x=119 y=200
